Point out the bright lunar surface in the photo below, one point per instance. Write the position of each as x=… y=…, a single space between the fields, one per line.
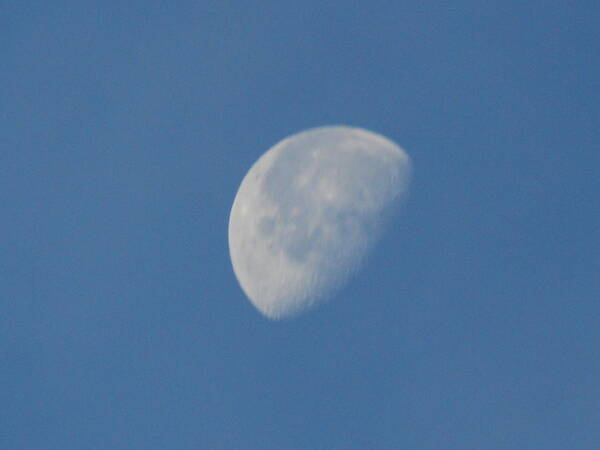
x=308 y=212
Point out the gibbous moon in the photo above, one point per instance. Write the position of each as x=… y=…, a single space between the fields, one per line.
x=308 y=212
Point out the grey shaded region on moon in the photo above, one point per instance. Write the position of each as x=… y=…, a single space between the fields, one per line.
x=308 y=212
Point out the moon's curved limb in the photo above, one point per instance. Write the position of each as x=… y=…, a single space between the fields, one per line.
x=307 y=213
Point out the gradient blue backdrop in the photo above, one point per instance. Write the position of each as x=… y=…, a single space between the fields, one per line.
x=125 y=130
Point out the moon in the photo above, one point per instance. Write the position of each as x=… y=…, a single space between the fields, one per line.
x=308 y=212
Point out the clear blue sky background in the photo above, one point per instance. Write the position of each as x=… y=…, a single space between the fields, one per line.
x=125 y=130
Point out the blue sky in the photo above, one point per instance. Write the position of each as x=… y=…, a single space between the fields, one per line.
x=126 y=128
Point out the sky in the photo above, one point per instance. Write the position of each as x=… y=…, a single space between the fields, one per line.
x=125 y=131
